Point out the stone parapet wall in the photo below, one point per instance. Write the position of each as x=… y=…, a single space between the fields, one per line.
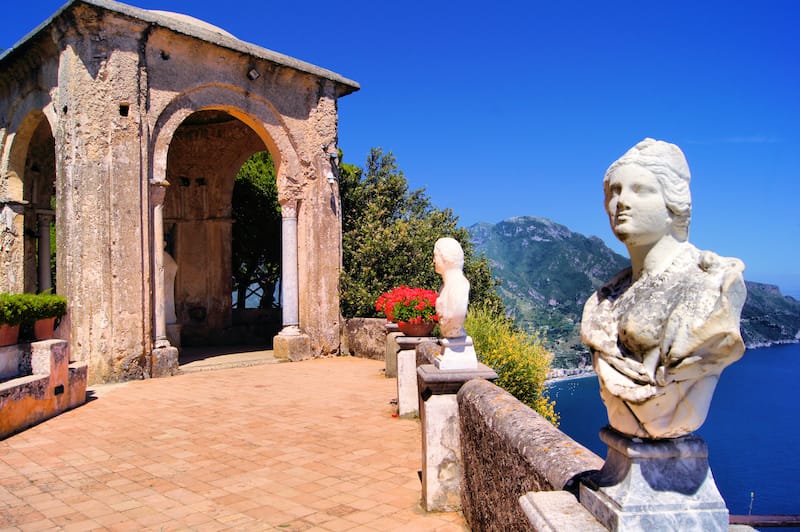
x=509 y=450
x=365 y=338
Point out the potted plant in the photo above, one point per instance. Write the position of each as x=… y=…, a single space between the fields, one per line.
x=412 y=309
x=12 y=308
x=45 y=309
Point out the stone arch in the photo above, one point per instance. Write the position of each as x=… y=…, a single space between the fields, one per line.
x=25 y=116
x=265 y=123
x=254 y=111
x=29 y=135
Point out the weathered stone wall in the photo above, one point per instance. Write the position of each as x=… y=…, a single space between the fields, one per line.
x=509 y=450
x=103 y=248
x=365 y=338
x=319 y=226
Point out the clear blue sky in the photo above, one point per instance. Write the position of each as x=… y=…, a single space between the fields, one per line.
x=518 y=108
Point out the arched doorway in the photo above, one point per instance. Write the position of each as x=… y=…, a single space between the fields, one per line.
x=205 y=154
x=38 y=194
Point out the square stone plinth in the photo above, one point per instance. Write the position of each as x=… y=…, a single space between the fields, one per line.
x=655 y=485
x=293 y=347
x=165 y=361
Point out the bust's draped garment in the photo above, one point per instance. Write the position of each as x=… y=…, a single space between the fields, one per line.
x=660 y=343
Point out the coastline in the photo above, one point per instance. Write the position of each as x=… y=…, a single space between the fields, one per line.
x=556 y=375
x=568 y=374
x=795 y=340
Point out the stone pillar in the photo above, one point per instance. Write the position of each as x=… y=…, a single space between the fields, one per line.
x=392 y=348
x=290 y=343
x=407 y=391
x=165 y=356
x=655 y=485
x=45 y=275
x=442 y=464
x=12 y=259
x=158 y=190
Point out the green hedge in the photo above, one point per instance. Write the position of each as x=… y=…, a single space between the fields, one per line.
x=520 y=359
x=17 y=309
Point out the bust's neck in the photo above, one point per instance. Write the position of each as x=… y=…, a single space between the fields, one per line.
x=654 y=258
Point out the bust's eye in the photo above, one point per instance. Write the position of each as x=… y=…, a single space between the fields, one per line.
x=643 y=188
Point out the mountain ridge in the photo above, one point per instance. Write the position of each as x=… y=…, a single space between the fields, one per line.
x=547 y=272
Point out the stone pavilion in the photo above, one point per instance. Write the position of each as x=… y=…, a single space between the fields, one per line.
x=125 y=128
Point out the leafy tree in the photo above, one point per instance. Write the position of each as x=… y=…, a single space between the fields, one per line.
x=388 y=236
x=256 y=249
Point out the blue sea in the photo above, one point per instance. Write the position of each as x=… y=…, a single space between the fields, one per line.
x=752 y=430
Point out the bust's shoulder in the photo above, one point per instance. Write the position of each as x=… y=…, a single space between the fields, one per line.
x=708 y=261
x=710 y=275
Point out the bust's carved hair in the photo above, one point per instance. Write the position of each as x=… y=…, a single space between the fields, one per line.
x=450 y=251
x=668 y=164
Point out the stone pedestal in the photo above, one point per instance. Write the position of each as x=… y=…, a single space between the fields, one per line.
x=407 y=392
x=655 y=485
x=392 y=347
x=442 y=465
x=293 y=347
x=165 y=362
x=459 y=353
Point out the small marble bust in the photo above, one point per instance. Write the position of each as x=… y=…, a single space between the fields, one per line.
x=662 y=331
x=453 y=299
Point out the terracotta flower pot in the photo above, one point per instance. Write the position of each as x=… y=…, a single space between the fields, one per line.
x=43 y=329
x=9 y=334
x=416 y=329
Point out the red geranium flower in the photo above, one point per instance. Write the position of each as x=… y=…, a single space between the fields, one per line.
x=406 y=304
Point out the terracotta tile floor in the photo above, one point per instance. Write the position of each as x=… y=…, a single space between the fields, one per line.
x=295 y=446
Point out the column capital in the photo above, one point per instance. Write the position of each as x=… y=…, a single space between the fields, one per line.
x=158 y=191
x=288 y=207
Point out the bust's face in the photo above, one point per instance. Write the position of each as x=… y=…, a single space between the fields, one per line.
x=636 y=207
x=438 y=262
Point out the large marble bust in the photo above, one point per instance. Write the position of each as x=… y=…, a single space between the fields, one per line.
x=662 y=331
x=453 y=299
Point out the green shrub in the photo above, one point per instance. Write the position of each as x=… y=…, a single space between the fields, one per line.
x=47 y=306
x=16 y=309
x=520 y=359
x=12 y=308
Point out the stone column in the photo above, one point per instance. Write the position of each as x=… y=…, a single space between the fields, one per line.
x=290 y=343
x=45 y=275
x=392 y=347
x=289 y=287
x=158 y=190
x=165 y=357
x=406 y=366
x=442 y=464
